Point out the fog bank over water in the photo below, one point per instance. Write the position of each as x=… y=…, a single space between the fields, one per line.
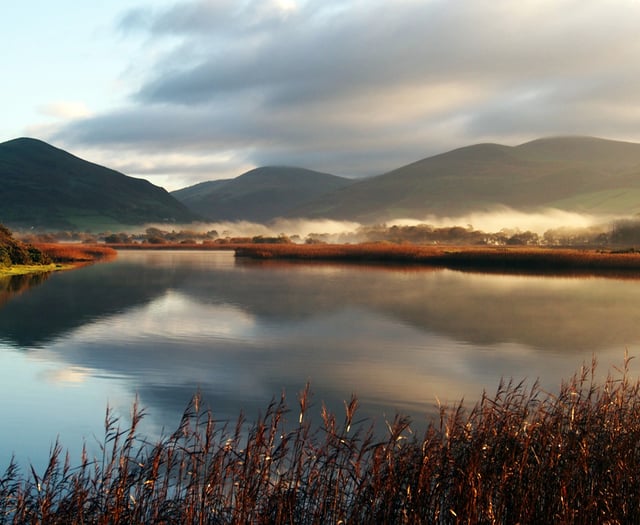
x=490 y=221
x=510 y=219
x=290 y=227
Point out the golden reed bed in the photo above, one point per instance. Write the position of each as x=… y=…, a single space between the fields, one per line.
x=518 y=456
x=76 y=253
x=525 y=259
x=536 y=259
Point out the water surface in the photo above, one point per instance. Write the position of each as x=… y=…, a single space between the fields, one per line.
x=162 y=325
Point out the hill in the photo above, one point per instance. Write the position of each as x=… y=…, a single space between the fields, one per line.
x=45 y=187
x=259 y=195
x=581 y=174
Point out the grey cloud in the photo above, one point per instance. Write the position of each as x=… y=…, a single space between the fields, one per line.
x=157 y=128
x=386 y=45
x=324 y=57
x=343 y=86
x=203 y=168
x=194 y=17
x=217 y=18
x=562 y=106
x=135 y=19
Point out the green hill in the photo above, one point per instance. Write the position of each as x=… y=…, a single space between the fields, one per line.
x=573 y=173
x=45 y=187
x=259 y=195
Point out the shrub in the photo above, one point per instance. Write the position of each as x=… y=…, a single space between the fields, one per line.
x=13 y=251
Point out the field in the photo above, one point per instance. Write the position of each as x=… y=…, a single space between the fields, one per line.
x=519 y=456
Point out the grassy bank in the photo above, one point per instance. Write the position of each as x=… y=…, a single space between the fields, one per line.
x=23 y=269
x=63 y=257
x=519 y=456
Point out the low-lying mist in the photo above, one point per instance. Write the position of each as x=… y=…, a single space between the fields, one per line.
x=505 y=218
x=290 y=227
x=498 y=225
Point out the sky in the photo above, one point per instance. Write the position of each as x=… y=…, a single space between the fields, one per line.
x=180 y=92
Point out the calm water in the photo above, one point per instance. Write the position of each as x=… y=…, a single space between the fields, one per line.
x=162 y=325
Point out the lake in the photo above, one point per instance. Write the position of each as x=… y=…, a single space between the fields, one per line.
x=162 y=325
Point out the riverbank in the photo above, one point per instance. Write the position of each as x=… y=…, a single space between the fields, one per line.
x=23 y=269
x=499 y=259
x=63 y=257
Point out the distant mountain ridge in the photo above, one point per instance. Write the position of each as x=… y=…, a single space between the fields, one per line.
x=45 y=187
x=259 y=195
x=582 y=174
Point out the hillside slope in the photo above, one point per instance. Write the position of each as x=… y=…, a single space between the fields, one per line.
x=45 y=187
x=573 y=173
x=259 y=195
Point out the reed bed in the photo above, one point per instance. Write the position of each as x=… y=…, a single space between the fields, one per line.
x=535 y=259
x=76 y=252
x=205 y=246
x=519 y=456
x=529 y=259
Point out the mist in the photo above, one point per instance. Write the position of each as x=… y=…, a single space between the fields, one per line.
x=290 y=227
x=499 y=220
x=505 y=218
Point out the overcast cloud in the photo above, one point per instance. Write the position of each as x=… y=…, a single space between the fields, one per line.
x=360 y=87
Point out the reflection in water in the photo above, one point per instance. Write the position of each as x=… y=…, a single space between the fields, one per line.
x=164 y=324
x=11 y=285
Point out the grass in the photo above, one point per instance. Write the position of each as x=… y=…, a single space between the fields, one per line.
x=521 y=455
x=603 y=201
x=23 y=269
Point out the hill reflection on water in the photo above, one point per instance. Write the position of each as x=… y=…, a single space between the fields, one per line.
x=11 y=285
x=165 y=324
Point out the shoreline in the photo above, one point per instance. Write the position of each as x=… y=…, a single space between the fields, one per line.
x=535 y=260
x=526 y=260
x=64 y=256
x=487 y=259
x=25 y=269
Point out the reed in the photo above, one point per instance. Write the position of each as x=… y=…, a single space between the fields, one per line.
x=484 y=258
x=75 y=252
x=521 y=455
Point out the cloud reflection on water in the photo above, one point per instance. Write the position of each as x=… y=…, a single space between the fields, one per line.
x=399 y=339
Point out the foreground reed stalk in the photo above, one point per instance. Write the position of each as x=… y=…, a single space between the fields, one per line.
x=519 y=456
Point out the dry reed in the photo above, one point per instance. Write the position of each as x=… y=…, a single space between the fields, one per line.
x=485 y=258
x=519 y=456
x=75 y=252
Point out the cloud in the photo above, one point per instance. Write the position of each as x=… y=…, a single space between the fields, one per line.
x=65 y=110
x=69 y=374
x=358 y=88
